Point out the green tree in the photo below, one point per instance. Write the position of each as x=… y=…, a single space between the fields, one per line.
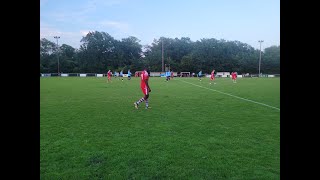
x=97 y=52
x=48 y=56
x=270 y=61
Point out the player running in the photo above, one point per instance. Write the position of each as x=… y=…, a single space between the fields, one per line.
x=234 y=77
x=129 y=74
x=109 y=73
x=167 y=75
x=145 y=89
x=199 y=75
x=121 y=75
x=212 y=78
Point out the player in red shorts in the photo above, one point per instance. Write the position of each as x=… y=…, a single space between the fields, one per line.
x=171 y=74
x=109 y=73
x=212 y=76
x=234 y=77
x=145 y=89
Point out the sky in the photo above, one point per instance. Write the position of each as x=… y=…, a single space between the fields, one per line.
x=243 y=20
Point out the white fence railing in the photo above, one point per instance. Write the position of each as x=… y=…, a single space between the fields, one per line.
x=152 y=74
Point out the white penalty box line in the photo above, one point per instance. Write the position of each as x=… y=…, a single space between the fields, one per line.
x=233 y=96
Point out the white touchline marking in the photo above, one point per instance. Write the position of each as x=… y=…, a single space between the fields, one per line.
x=233 y=95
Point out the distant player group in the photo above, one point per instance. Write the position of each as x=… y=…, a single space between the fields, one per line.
x=144 y=83
x=109 y=74
x=212 y=78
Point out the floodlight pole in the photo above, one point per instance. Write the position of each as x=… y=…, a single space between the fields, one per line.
x=57 y=38
x=260 y=41
x=162 y=57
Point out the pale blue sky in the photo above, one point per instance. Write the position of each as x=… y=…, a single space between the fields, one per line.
x=244 y=20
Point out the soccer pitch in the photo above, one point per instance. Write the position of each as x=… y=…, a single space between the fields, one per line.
x=89 y=129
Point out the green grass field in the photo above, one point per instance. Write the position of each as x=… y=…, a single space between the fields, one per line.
x=89 y=129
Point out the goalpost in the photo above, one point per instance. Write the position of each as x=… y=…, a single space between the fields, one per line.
x=185 y=74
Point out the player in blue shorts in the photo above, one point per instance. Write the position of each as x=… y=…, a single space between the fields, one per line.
x=199 y=75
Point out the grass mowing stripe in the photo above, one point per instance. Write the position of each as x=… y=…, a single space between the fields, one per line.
x=233 y=95
x=89 y=129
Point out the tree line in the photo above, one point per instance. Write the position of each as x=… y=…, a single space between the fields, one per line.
x=100 y=52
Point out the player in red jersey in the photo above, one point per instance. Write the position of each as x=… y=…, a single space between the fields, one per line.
x=171 y=74
x=144 y=85
x=109 y=75
x=234 y=77
x=212 y=78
